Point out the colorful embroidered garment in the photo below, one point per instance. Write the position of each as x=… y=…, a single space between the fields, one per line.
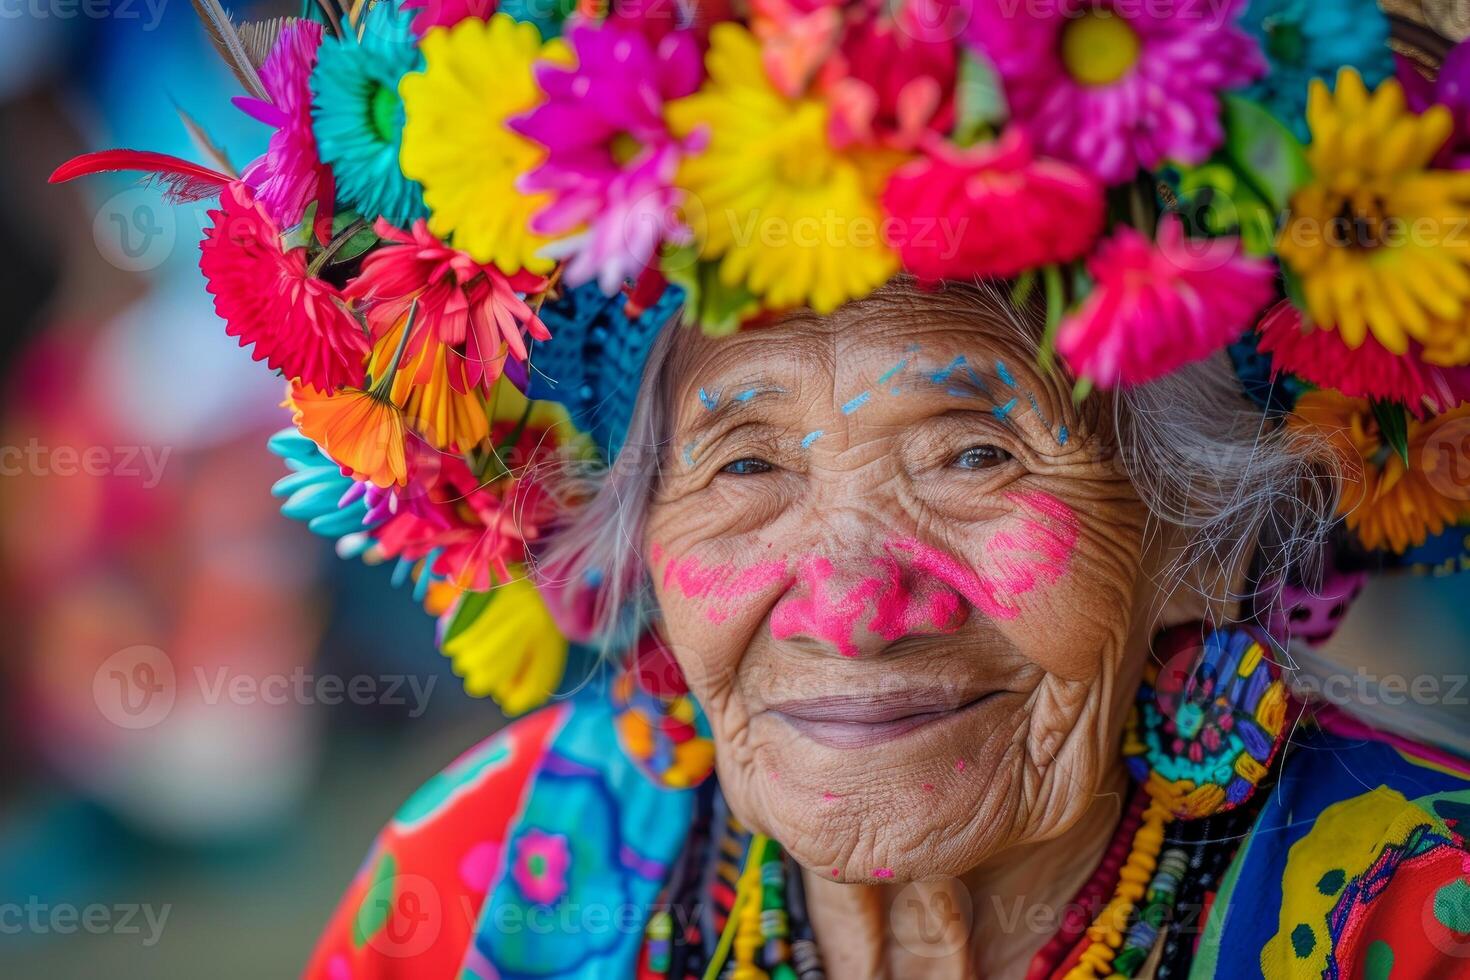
x=542 y=853
x=538 y=853
x=1357 y=867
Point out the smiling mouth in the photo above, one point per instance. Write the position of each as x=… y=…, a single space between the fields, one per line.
x=857 y=722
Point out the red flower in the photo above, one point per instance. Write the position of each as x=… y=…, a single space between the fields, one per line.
x=1372 y=371
x=299 y=324
x=994 y=210
x=469 y=305
x=473 y=530
x=891 y=83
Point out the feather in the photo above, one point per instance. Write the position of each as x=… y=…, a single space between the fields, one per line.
x=212 y=151
x=226 y=41
x=183 y=181
x=329 y=8
x=259 y=36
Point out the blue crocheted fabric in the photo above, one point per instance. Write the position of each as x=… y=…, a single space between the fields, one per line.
x=1254 y=369
x=593 y=362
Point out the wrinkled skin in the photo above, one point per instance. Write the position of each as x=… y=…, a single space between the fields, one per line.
x=919 y=554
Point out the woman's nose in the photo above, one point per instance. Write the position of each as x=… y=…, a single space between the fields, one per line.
x=857 y=605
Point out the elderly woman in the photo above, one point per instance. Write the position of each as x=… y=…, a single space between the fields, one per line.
x=912 y=446
x=914 y=586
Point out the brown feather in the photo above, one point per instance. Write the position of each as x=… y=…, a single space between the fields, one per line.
x=226 y=40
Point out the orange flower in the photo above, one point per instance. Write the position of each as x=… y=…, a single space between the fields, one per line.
x=433 y=389
x=1387 y=504
x=361 y=430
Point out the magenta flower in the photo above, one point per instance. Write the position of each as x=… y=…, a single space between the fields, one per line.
x=290 y=175
x=430 y=14
x=1116 y=90
x=611 y=158
x=540 y=867
x=1157 y=306
x=1451 y=88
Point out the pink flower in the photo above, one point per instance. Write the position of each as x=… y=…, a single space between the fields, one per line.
x=1116 y=90
x=611 y=160
x=1159 y=305
x=290 y=175
x=1372 y=371
x=994 y=210
x=540 y=867
x=299 y=324
x=472 y=306
x=445 y=13
x=891 y=83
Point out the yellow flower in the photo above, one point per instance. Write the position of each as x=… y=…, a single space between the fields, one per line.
x=1386 y=503
x=431 y=389
x=1378 y=239
x=456 y=141
x=788 y=215
x=505 y=644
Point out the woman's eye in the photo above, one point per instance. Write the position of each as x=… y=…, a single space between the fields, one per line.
x=981 y=458
x=746 y=467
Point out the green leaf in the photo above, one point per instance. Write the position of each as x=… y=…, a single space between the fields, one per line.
x=1292 y=283
x=714 y=306
x=358 y=243
x=1265 y=152
x=980 y=101
x=300 y=236
x=1393 y=425
x=471 y=605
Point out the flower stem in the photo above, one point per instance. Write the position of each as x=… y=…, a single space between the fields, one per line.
x=381 y=386
x=1056 y=302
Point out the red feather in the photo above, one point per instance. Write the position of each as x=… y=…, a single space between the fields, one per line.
x=183 y=181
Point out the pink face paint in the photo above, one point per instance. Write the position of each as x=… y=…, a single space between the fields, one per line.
x=1018 y=559
x=721 y=586
x=830 y=609
x=830 y=797
x=823 y=610
x=959 y=765
x=882 y=872
x=927 y=607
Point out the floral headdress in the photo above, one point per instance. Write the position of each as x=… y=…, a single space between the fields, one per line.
x=473 y=218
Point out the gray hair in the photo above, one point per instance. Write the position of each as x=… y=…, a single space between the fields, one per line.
x=1216 y=473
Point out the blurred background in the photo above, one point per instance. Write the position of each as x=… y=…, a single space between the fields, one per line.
x=204 y=716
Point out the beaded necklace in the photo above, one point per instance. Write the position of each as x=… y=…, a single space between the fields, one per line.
x=1200 y=747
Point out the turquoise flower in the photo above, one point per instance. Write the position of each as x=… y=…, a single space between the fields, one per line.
x=357 y=115
x=548 y=17
x=317 y=492
x=1307 y=39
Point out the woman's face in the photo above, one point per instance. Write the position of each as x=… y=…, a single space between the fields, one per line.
x=903 y=574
